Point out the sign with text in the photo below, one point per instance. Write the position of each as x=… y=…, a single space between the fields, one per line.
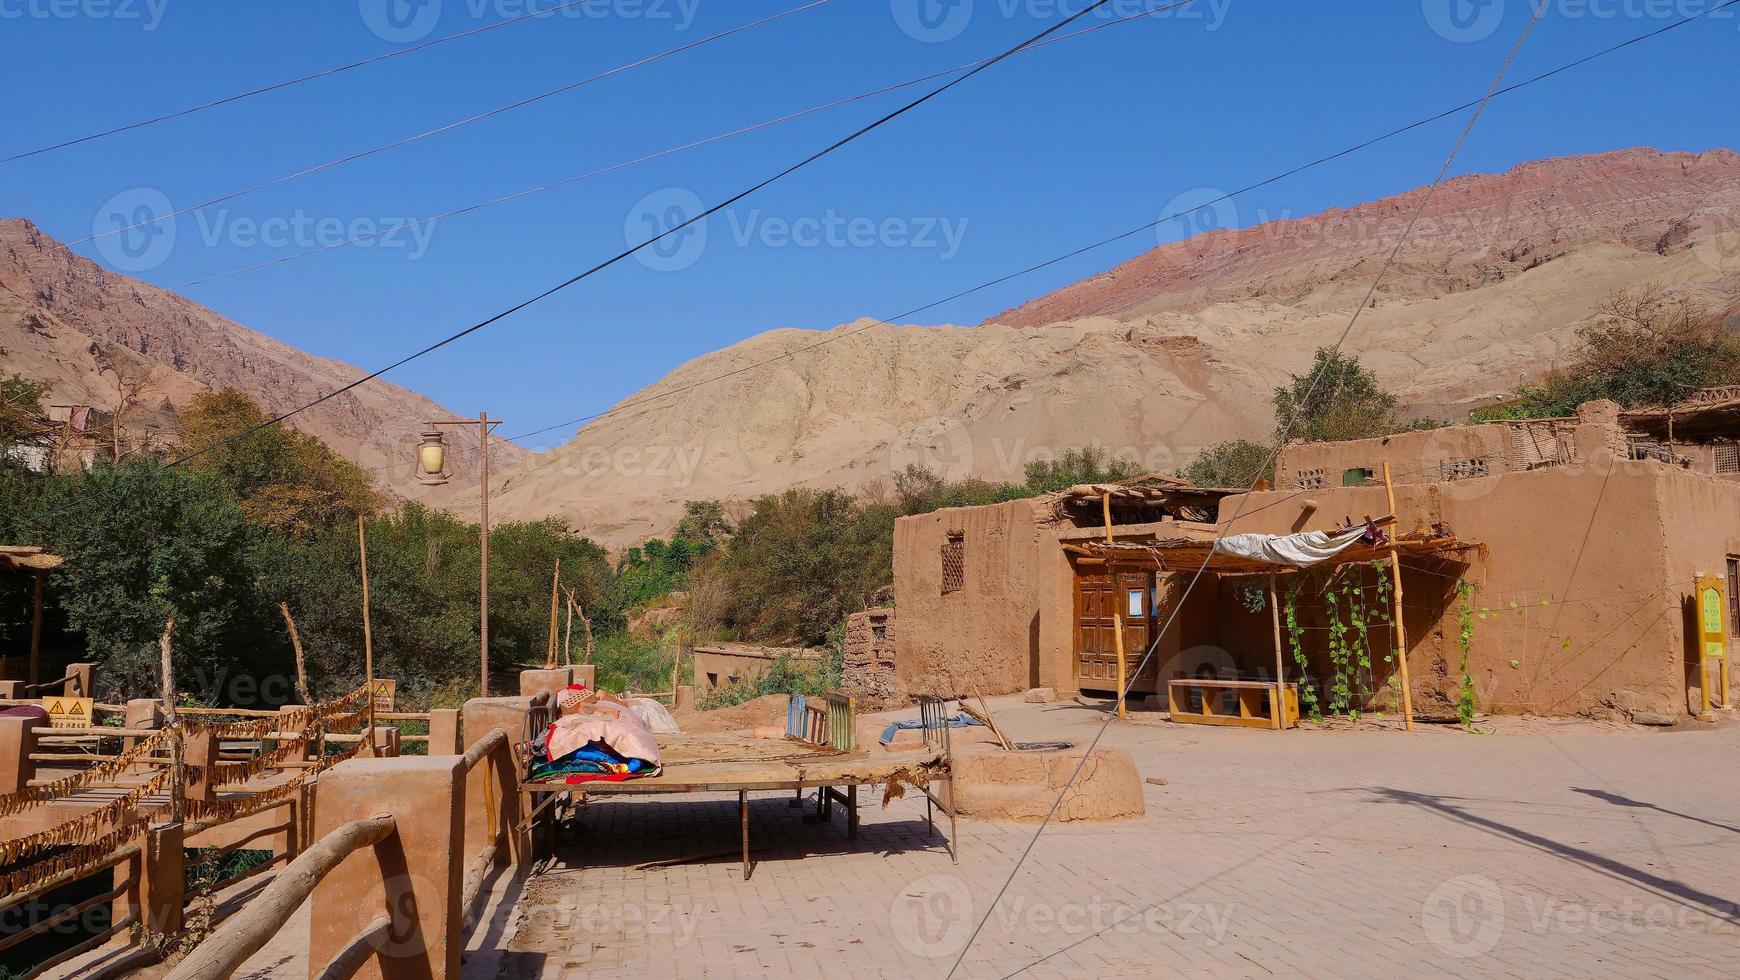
x=69 y=712
x=386 y=693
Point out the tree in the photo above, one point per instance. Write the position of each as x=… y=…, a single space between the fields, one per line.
x=1643 y=349
x=703 y=522
x=1337 y=399
x=285 y=480
x=1086 y=465
x=1235 y=463
x=144 y=544
x=21 y=414
x=800 y=562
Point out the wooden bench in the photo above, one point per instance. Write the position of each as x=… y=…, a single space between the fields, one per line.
x=1253 y=698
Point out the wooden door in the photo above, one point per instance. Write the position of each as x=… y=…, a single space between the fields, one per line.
x=1097 y=596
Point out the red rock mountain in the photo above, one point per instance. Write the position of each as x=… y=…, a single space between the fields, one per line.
x=1173 y=350
x=72 y=323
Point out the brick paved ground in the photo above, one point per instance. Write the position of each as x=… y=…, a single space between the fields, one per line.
x=1542 y=850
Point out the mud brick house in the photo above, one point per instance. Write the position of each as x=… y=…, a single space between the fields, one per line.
x=1575 y=546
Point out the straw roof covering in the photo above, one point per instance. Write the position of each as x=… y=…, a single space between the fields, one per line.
x=19 y=557
x=1194 y=546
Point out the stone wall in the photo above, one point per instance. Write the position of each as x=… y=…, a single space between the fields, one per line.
x=869 y=673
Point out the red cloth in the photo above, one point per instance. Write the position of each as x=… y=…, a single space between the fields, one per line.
x=605 y=777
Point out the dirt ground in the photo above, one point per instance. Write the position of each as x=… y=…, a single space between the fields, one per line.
x=1544 y=848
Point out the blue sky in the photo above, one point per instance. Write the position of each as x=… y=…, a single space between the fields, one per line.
x=1037 y=155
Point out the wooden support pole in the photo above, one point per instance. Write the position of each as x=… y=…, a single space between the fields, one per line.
x=35 y=629
x=178 y=781
x=483 y=556
x=555 y=591
x=301 y=662
x=1279 y=707
x=362 y=545
x=1117 y=609
x=568 y=632
x=1401 y=630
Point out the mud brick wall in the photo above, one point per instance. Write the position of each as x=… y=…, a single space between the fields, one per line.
x=869 y=670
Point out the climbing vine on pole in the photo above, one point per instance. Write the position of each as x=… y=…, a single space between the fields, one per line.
x=1465 y=699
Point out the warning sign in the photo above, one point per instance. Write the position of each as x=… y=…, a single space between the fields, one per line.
x=386 y=694
x=69 y=712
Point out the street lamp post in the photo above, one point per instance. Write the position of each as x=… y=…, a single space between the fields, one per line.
x=432 y=470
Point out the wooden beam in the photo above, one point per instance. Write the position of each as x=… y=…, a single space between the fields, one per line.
x=1279 y=708
x=1117 y=610
x=1401 y=630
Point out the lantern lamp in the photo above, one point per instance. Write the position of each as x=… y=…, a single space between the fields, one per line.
x=432 y=458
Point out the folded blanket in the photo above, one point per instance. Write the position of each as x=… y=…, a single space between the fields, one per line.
x=595 y=760
x=624 y=733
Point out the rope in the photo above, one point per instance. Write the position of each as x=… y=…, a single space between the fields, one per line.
x=101 y=772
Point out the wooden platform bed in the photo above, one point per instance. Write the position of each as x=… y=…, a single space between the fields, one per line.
x=818 y=752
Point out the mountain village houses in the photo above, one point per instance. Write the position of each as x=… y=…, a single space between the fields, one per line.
x=1548 y=566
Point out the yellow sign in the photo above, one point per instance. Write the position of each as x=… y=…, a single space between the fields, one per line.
x=386 y=693
x=1712 y=604
x=69 y=712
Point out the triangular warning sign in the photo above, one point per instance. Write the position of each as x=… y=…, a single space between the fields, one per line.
x=56 y=708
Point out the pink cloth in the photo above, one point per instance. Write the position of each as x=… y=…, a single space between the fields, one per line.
x=626 y=734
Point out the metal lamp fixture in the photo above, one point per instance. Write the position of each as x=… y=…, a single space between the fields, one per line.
x=432 y=458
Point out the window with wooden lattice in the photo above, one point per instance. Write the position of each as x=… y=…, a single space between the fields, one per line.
x=954 y=562
x=1728 y=457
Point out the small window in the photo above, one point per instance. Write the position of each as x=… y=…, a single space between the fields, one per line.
x=1734 y=596
x=879 y=631
x=1310 y=479
x=1728 y=457
x=954 y=562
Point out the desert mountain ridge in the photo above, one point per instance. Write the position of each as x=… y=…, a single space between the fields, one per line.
x=78 y=326
x=1175 y=349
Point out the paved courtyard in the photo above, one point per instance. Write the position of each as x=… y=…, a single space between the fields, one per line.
x=1540 y=850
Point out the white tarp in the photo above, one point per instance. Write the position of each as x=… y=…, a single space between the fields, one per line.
x=1296 y=550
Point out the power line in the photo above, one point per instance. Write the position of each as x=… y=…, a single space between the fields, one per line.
x=1120 y=236
x=448 y=127
x=660 y=154
x=625 y=253
x=287 y=83
x=1281 y=440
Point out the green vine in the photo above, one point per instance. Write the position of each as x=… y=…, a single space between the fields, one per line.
x=1340 y=691
x=1465 y=700
x=1296 y=643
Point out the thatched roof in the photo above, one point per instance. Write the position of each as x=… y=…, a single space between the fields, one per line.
x=21 y=557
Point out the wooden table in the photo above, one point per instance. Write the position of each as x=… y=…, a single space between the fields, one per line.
x=1251 y=698
x=739 y=764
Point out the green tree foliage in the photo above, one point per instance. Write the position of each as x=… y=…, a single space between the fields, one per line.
x=1073 y=466
x=285 y=480
x=142 y=545
x=21 y=413
x=1337 y=399
x=801 y=561
x=1643 y=349
x=1235 y=463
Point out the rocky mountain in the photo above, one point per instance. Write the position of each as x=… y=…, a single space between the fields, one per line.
x=87 y=331
x=1175 y=349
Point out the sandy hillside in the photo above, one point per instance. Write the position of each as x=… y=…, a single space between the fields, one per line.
x=1173 y=350
x=72 y=323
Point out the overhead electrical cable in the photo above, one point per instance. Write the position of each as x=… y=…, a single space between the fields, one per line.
x=1122 y=235
x=870 y=127
x=1281 y=440
x=449 y=127
x=289 y=82
x=657 y=155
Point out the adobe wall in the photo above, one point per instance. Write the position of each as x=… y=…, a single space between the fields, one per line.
x=1701 y=523
x=1414 y=456
x=868 y=651
x=1575 y=573
x=1008 y=627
